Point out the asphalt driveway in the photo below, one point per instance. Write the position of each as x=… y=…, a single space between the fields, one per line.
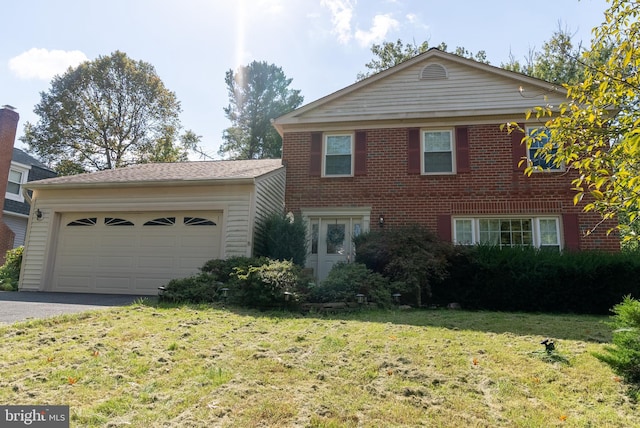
x=20 y=306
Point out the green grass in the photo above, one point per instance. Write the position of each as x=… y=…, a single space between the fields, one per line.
x=200 y=366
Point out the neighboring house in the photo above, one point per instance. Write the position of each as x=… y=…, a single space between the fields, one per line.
x=23 y=168
x=421 y=143
x=133 y=229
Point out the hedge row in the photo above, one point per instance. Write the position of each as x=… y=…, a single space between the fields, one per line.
x=539 y=281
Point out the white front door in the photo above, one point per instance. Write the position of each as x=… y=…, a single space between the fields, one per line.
x=332 y=243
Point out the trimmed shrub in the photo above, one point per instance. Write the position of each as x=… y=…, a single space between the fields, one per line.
x=10 y=271
x=223 y=269
x=272 y=283
x=624 y=356
x=281 y=237
x=533 y=280
x=345 y=280
x=413 y=256
x=207 y=286
x=201 y=288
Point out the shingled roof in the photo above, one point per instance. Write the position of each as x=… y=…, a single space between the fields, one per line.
x=160 y=173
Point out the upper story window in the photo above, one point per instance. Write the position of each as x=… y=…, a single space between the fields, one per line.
x=540 y=139
x=338 y=155
x=17 y=177
x=438 y=154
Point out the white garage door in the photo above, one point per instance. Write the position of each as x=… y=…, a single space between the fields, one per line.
x=132 y=253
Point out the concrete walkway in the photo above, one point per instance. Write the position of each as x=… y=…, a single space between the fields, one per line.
x=20 y=306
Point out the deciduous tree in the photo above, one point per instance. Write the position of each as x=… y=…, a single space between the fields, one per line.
x=557 y=62
x=597 y=131
x=107 y=113
x=258 y=93
x=389 y=54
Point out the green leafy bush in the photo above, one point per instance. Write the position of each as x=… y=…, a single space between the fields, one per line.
x=624 y=356
x=268 y=284
x=207 y=286
x=201 y=288
x=281 y=237
x=345 y=280
x=10 y=271
x=223 y=269
x=413 y=256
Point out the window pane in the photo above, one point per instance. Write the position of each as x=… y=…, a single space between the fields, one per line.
x=548 y=232
x=540 y=160
x=339 y=145
x=464 y=232
x=487 y=235
x=541 y=137
x=506 y=232
x=314 y=238
x=163 y=221
x=15 y=176
x=13 y=188
x=338 y=165
x=437 y=162
x=437 y=141
x=335 y=238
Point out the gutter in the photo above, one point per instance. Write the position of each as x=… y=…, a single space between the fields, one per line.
x=130 y=184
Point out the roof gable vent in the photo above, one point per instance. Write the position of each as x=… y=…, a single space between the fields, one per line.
x=433 y=72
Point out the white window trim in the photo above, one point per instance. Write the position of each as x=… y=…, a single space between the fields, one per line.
x=538 y=235
x=535 y=227
x=453 y=151
x=528 y=129
x=473 y=229
x=325 y=136
x=24 y=169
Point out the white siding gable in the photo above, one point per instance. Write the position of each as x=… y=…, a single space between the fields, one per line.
x=433 y=85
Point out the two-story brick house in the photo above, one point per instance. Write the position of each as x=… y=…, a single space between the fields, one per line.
x=421 y=143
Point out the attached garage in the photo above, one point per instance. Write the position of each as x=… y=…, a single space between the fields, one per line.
x=131 y=230
x=131 y=253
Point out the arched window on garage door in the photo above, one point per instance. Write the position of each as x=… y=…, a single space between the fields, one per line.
x=162 y=221
x=197 y=221
x=112 y=221
x=89 y=221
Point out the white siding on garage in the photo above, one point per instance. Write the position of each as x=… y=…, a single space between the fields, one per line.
x=34 y=255
x=270 y=195
x=191 y=186
x=232 y=201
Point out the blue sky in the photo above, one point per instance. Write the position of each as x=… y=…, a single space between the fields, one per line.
x=320 y=44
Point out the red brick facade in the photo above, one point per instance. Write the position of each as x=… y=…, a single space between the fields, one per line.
x=488 y=182
x=8 y=128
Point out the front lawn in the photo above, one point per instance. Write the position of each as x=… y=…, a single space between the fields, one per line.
x=202 y=366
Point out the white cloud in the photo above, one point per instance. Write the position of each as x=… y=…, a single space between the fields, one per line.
x=415 y=20
x=382 y=24
x=341 y=14
x=43 y=64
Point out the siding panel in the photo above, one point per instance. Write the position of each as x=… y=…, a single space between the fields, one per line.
x=465 y=89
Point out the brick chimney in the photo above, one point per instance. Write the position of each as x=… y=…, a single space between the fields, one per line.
x=8 y=127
